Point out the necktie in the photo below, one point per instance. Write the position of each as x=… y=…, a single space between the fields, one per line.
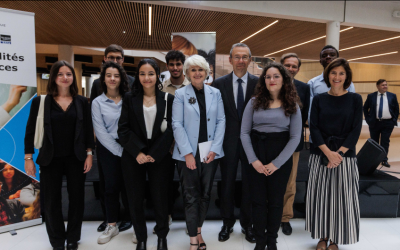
x=240 y=98
x=380 y=107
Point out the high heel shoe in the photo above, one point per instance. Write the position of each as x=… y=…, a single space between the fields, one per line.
x=202 y=244
x=194 y=245
x=326 y=244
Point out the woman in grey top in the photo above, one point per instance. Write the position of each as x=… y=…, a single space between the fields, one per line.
x=271 y=131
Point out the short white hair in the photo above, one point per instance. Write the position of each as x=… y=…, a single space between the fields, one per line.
x=196 y=60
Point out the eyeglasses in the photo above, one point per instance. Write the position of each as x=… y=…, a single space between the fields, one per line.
x=118 y=58
x=237 y=58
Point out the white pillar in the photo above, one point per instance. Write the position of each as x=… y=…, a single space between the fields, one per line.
x=66 y=53
x=333 y=34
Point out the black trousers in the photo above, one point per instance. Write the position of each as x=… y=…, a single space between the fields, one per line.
x=268 y=191
x=196 y=187
x=229 y=166
x=135 y=183
x=381 y=132
x=51 y=180
x=173 y=187
x=102 y=189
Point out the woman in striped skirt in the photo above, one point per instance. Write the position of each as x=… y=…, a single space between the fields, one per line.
x=333 y=212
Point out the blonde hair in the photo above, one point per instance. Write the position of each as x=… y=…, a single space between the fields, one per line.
x=196 y=60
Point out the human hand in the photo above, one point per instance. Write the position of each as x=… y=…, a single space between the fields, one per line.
x=142 y=158
x=88 y=163
x=150 y=159
x=334 y=157
x=332 y=165
x=210 y=157
x=190 y=161
x=14 y=97
x=258 y=166
x=269 y=169
x=30 y=168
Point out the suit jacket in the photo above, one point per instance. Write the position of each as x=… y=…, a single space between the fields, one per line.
x=370 y=108
x=132 y=127
x=232 y=131
x=97 y=90
x=84 y=138
x=303 y=91
x=186 y=121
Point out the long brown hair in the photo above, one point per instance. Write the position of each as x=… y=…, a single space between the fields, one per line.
x=52 y=85
x=34 y=213
x=287 y=95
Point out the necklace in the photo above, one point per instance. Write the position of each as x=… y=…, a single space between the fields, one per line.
x=150 y=99
x=115 y=98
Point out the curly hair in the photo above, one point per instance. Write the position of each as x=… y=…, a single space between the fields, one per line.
x=287 y=95
x=123 y=85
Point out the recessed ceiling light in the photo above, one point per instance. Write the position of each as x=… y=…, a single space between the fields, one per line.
x=123 y=32
x=269 y=25
x=365 y=44
x=384 y=54
x=297 y=45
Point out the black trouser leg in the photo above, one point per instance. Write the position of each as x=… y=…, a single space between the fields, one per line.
x=172 y=187
x=51 y=181
x=157 y=173
x=206 y=181
x=101 y=180
x=245 y=206
x=228 y=165
x=111 y=167
x=76 y=194
x=386 y=132
x=124 y=197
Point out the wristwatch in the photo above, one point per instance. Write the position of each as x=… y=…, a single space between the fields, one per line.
x=341 y=153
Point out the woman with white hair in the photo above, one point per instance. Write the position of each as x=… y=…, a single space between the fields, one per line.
x=197 y=117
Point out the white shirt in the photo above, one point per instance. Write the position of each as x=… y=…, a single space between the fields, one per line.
x=236 y=84
x=385 y=110
x=149 y=118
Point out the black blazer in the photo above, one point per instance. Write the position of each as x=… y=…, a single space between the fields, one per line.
x=132 y=128
x=233 y=123
x=370 y=108
x=303 y=91
x=84 y=137
x=96 y=87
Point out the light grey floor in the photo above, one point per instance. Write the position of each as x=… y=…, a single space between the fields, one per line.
x=375 y=234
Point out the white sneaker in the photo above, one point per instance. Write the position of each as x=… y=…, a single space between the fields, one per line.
x=108 y=233
x=134 y=239
x=169 y=223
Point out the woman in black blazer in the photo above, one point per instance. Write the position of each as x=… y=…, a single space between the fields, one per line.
x=146 y=140
x=66 y=150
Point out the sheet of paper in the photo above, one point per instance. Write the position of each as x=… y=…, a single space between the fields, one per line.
x=204 y=149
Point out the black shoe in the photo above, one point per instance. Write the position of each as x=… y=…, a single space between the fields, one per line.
x=260 y=247
x=271 y=245
x=125 y=225
x=385 y=164
x=141 y=245
x=72 y=246
x=102 y=226
x=162 y=244
x=58 y=248
x=249 y=234
x=225 y=233
x=286 y=228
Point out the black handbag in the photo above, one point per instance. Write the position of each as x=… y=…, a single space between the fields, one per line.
x=369 y=157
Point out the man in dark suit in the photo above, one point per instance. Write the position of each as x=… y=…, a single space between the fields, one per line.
x=292 y=63
x=113 y=53
x=381 y=111
x=236 y=90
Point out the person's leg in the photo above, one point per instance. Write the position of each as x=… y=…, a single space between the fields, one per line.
x=51 y=182
x=101 y=179
x=374 y=132
x=171 y=187
x=245 y=207
x=206 y=181
x=135 y=179
x=76 y=194
x=386 y=132
x=190 y=181
x=290 y=190
x=159 y=179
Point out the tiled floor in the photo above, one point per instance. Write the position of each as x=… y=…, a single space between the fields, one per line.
x=375 y=234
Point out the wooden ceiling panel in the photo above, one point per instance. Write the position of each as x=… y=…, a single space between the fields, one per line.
x=100 y=23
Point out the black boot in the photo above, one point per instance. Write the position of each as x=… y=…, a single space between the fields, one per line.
x=141 y=245
x=162 y=244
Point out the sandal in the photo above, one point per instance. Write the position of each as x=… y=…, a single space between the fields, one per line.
x=194 y=245
x=202 y=245
x=333 y=244
x=326 y=244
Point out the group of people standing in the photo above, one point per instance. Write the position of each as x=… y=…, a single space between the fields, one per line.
x=145 y=128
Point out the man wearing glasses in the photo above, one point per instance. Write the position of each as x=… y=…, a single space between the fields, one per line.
x=236 y=90
x=113 y=53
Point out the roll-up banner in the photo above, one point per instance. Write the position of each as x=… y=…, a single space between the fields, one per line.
x=191 y=43
x=19 y=193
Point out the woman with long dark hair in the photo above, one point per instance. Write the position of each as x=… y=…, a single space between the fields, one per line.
x=332 y=207
x=106 y=110
x=67 y=150
x=13 y=181
x=270 y=133
x=145 y=133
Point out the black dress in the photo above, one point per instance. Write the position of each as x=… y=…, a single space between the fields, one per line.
x=332 y=198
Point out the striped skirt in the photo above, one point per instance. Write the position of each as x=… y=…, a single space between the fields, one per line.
x=332 y=207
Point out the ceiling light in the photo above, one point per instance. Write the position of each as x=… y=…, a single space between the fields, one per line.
x=260 y=31
x=297 y=45
x=394 y=52
x=384 y=40
x=149 y=20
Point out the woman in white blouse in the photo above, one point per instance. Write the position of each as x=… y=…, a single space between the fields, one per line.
x=146 y=135
x=106 y=110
